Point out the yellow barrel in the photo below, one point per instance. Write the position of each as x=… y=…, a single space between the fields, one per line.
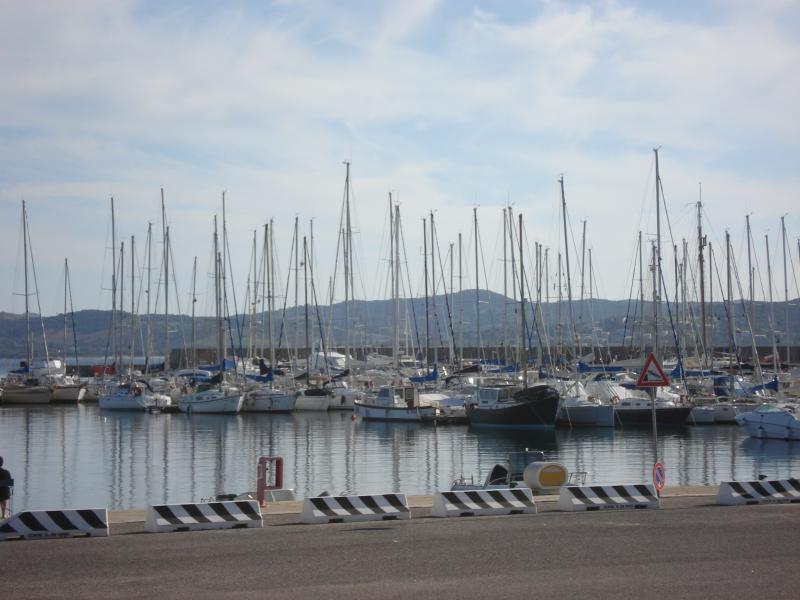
x=544 y=475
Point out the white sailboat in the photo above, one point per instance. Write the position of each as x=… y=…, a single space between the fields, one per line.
x=26 y=389
x=216 y=396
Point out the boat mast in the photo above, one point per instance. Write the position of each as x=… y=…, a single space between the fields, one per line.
x=460 y=306
x=113 y=285
x=194 y=303
x=505 y=281
x=729 y=300
x=148 y=332
x=751 y=286
x=347 y=266
x=218 y=299
x=523 y=339
x=433 y=293
x=305 y=297
x=28 y=333
x=771 y=308
x=394 y=226
x=271 y=295
x=477 y=285
x=427 y=317
x=657 y=265
x=296 y=284
x=121 y=298
x=701 y=243
x=165 y=235
x=251 y=342
x=785 y=290
x=574 y=341
x=66 y=272
x=133 y=299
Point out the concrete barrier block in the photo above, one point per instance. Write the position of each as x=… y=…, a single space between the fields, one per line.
x=342 y=509
x=203 y=515
x=777 y=491
x=468 y=503
x=604 y=497
x=44 y=524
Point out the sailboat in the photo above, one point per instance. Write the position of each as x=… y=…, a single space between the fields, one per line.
x=27 y=390
x=506 y=405
x=132 y=394
x=216 y=395
x=66 y=388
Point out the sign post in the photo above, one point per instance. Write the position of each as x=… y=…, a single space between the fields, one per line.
x=651 y=377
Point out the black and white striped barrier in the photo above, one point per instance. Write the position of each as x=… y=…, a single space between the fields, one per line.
x=43 y=524
x=196 y=516
x=600 y=497
x=469 y=503
x=781 y=491
x=341 y=509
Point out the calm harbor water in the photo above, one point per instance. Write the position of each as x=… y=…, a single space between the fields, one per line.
x=80 y=456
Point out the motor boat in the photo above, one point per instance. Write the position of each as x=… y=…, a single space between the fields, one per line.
x=769 y=421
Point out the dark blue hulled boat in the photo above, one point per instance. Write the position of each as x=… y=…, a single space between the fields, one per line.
x=508 y=406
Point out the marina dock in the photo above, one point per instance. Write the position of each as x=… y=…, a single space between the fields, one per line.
x=689 y=549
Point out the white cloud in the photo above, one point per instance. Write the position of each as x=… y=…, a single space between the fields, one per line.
x=447 y=105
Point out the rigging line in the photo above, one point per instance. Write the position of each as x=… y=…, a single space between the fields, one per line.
x=227 y=251
x=723 y=290
x=177 y=298
x=286 y=298
x=754 y=349
x=674 y=336
x=410 y=289
x=449 y=324
x=68 y=283
x=36 y=288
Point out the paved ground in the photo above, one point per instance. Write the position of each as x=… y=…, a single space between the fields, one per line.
x=689 y=549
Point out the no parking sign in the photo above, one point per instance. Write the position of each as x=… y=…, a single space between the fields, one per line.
x=659 y=476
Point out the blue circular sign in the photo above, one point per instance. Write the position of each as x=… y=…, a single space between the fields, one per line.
x=659 y=476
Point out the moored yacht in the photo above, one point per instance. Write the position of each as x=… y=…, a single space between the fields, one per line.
x=395 y=403
x=534 y=407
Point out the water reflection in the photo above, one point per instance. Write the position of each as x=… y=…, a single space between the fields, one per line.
x=65 y=456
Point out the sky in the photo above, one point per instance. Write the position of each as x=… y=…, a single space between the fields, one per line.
x=456 y=108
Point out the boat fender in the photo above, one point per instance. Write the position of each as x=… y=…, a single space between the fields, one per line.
x=137 y=391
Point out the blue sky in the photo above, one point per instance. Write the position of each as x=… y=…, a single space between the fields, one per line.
x=447 y=104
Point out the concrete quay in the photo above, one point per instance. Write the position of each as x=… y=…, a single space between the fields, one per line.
x=691 y=548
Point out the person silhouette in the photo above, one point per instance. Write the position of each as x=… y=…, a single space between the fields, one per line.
x=5 y=490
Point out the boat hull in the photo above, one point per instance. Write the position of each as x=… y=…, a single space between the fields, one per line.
x=533 y=408
x=701 y=415
x=211 y=402
x=314 y=402
x=269 y=402
x=68 y=393
x=665 y=415
x=600 y=415
x=38 y=394
x=418 y=414
x=770 y=426
x=126 y=402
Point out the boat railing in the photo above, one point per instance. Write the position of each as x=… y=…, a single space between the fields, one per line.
x=577 y=477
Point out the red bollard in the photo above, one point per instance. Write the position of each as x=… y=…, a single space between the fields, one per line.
x=263 y=476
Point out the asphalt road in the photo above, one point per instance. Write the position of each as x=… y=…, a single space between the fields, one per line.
x=688 y=549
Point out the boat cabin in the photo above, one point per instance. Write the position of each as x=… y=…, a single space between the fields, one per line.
x=489 y=396
x=406 y=396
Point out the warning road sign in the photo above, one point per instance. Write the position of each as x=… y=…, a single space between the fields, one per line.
x=652 y=374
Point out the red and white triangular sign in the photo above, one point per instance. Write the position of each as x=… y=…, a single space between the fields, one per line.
x=652 y=374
